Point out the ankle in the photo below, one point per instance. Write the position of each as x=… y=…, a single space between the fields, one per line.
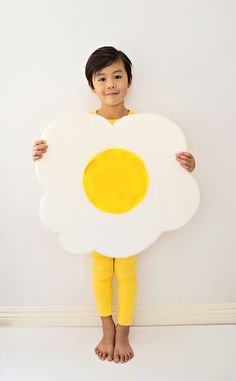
x=107 y=322
x=123 y=328
x=107 y=319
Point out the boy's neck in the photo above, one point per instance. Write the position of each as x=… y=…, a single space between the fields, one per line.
x=113 y=112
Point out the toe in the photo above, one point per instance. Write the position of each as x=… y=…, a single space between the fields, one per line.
x=104 y=356
x=100 y=354
x=122 y=358
x=109 y=358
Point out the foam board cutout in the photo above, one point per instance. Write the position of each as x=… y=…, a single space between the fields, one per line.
x=114 y=188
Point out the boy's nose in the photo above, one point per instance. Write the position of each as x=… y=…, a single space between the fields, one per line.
x=111 y=85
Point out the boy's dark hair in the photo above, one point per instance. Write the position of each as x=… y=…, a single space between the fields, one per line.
x=103 y=57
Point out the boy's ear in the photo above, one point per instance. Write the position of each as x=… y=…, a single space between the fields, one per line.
x=93 y=90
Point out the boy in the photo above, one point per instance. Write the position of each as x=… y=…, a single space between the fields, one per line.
x=109 y=76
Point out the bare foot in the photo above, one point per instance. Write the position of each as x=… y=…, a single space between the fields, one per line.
x=123 y=351
x=105 y=349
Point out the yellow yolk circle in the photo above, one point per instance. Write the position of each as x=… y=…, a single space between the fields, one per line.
x=115 y=180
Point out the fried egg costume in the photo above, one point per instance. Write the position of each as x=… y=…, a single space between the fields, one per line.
x=114 y=188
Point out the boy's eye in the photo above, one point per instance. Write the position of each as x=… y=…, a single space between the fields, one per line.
x=102 y=78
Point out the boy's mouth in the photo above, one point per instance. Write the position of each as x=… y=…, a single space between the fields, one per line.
x=112 y=94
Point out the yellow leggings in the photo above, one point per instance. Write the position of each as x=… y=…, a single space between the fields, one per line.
x=125 y=272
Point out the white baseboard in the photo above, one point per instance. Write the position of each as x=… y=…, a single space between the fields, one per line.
x=146 y=315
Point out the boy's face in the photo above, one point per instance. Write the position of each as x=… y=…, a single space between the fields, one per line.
x=111 y=84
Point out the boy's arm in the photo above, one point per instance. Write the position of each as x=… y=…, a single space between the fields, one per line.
x=39 y=148
x=186 y=160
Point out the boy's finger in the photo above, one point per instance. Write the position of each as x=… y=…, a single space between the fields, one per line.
x=186 y=166
x=39 y=142
x=185 y=160
x=40 y=147
x=37 y=152
x=37 y=157
x=183 y=153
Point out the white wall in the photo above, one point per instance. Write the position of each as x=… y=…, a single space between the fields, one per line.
x=183 y=54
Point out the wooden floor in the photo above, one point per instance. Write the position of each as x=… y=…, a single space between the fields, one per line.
x=164 y=353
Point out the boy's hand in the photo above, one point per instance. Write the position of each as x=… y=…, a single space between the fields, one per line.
x=39 y=149
x=186 y=160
